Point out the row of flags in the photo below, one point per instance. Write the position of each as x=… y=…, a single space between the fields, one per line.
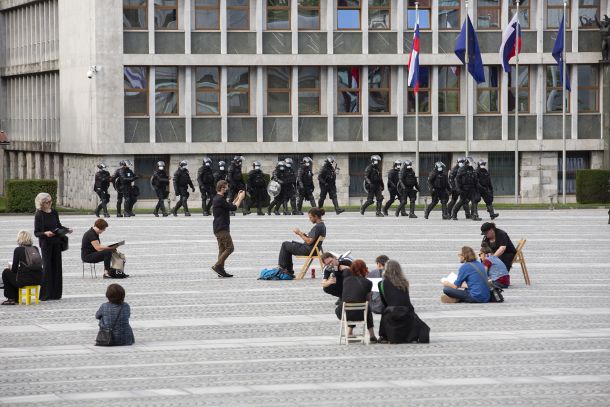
x=511 y=45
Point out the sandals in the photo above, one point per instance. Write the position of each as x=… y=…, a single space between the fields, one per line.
x=9 y=302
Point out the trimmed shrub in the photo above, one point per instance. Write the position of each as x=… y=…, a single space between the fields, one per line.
x=20 y=193
x=592 y=186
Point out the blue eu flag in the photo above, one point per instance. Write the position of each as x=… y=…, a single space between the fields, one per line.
x=558 y=54
x=475 y=63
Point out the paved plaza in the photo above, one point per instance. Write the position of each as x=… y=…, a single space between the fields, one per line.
x=202 y=340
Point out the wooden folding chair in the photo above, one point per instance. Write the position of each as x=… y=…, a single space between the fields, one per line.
x=314 y=254
x=345 y=322
x=521 y=260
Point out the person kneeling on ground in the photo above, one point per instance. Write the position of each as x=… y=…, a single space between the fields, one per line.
x=26 y=268
x=399 y=322
x=114 y=315
x=501 y=245
x=473 y=274
x=332 y=281
x=357 y=288
x=92 y=250
x=496 y=269
x=376 y=302
x=302 y=249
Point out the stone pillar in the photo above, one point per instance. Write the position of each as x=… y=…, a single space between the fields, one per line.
x=21 y=165
x=605 y=68
x=538 y=176
x=3 y=170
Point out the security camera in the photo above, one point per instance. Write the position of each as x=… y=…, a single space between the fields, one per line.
x=89 y=74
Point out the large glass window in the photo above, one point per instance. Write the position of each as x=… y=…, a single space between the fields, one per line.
x=135 y=83
x=238 y=14
x=488 y=92
x=502 y=170
x=380 y=12
x=166 y=14
x=135 y=14
x=166 y=90
x=309 y=14
x=424 y=11
x=309 y=90
x=207 y=14
x=357 y=165
x=554 y=13
x=208 y=90
x=524 y=89
x=575 y=160
x=554 y=89
x=588 y=88
x=488 y=14
x=424 y=92
x=588 y=10
x=379 y=89
x=449 y=89
x=348 y=14
x=278 y=14
x=348 y=89
x=524 y=12
x=278 y=89
x=238 y=90
x=449 y=14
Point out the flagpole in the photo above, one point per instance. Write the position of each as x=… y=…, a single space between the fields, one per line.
x=467 y=89
x=516 y=77
x=563 y=103
x=417 y=100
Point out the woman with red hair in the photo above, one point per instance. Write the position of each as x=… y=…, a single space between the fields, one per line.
x=357 y=288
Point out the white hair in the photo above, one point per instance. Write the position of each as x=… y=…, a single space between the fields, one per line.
x=24 y=238
x=43 y=196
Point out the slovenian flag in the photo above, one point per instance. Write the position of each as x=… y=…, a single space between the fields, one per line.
x=511 y=39
x=413 y=63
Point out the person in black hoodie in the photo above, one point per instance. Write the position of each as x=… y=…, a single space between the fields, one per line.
x=182 y=182
x=327 y=179
x=393 y=187
x=439 y=187
x=206 y=181
x=257 y=188
x=305 y=186
x=102 y=183
x=159 y=182
x=408 y=188
x=373 y=180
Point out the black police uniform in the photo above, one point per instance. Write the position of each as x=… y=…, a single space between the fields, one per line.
x=467 y=186
x=182 y=182
x=160 y=181
x=257 y=188
x=289 y=192
x=374 y=181
x=236 y=181
x=220 y=175
x=305 y=187
x=454 y=193
x=486 y=190
x=408 y=188
x=278 y=176
x=327 y=179
x=392 y=189
x=439 y=187
x=206 y=181
x=123 y=179
x=102 y=183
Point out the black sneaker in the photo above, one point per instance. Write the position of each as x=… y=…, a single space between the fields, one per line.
x=221 y=272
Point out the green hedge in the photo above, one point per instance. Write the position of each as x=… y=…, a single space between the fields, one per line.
x=20 y=193
x=592 y=186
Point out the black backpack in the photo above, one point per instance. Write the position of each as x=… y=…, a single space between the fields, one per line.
x=30 y=270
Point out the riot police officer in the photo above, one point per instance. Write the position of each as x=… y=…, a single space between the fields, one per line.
x=102 y=183
x=279 y=176
x=393 y=187
x=305 y=186
x=373 y=182
x=454 y=193
x=235 y=178
x=327 y=179
x=221 y=174
x=439 y=188
x=159 y=182
x=486 y=188
x=408 y=188
x=123 y=180
x=289 y=188
x=467 y=186
x=205 y=179
x=257 y=188
x=182 y=181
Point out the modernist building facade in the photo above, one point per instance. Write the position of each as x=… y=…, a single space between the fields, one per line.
x=84 y=81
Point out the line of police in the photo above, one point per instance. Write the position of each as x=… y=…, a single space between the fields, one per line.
x=463 y=183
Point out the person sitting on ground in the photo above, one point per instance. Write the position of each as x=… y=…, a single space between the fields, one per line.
x=473 y=274
x=332 y=280
x=309 y=240
x=357 y=288
x=500 y=243
x=92 y=250
x=399 y=322
x=30 y=272
x=496 y=269
x=376 y=302
x=115 y=314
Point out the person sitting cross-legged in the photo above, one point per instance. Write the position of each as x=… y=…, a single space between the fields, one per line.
x=92 y=251
x=473 y=274
x=309 y=240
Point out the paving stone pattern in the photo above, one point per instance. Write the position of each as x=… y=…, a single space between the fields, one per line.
x=201 y=340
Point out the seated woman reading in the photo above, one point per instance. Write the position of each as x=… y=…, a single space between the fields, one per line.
x=473 y=274
x=309 y=240
x=92 y=250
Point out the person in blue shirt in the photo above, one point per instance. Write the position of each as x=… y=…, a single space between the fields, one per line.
x=473 y=274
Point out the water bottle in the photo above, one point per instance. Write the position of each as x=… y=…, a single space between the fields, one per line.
x=313 y=273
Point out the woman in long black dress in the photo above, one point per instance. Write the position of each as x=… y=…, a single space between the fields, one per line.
x=46 y=221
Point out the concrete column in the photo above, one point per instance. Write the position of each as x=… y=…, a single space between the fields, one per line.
x=223 y=105
x=294 y=102
x=3 y=170
x=38 y=166
x=573 y=112
x=260 y=103
x=48 y=166
x=151 y=105
x=330 y=101
x=434 y=27
x=188 y=103
x=540 y=100
x=13 y=165
x=151 y=26
x=434 y=101
x=364 y=102
x=223 y=27
x=539 y=26
x=605 y=98
x=188 y=8
x=294 y=25
x=21 y=165
x=259 y=25
x=400 y=102
x=364 y=23
x=330 y=26
x=400 y=25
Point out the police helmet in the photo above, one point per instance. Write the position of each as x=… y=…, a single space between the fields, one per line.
x=330 y=159
x=408 y=163
x=469 y=160
x=289 y=161
x=256 y=164
x=221 y=164
x=207 y=161
x=397 y=164
x=375 y=158
x=183 y=163
x=238 y=159
x=161 y=164
x=101 y=166
x=482 y=163
x=123 y=163
x=281 y=165
x=439 y=165
x=307 y=160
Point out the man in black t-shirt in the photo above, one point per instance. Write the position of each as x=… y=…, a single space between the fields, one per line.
x=92 y=251
x=221 y=209
x=303 y=249
x=332 y=281
x=499 y=242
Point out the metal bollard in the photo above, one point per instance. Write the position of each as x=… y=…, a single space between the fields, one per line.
x=552 y=207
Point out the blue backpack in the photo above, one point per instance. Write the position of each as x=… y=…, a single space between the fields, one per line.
x=274 y=273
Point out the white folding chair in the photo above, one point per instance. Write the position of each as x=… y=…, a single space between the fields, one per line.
x=91 y=270
x=343 y=332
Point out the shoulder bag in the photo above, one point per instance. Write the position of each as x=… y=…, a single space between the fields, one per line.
x=496 y=293
x=104 y=336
